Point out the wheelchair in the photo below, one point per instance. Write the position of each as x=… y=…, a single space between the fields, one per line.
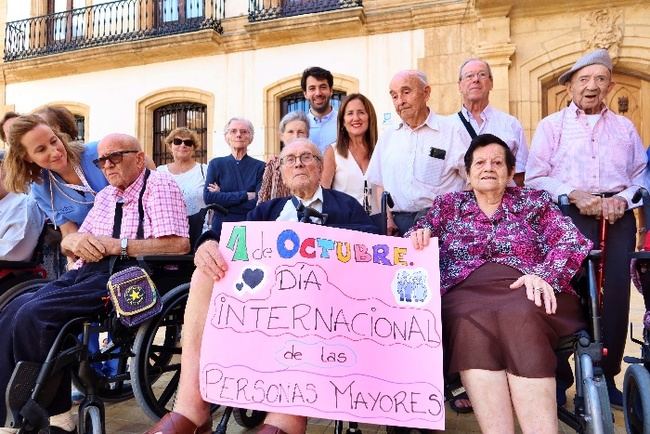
x=592 y=411
x=145 y=356
x=14 y=273
x=636 y=384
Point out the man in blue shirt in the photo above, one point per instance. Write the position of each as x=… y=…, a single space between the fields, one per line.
x=316 y=84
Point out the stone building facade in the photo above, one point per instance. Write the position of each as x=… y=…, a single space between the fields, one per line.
x=115 y=68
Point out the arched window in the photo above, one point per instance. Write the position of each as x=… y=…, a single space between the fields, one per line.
x=296 y=101
x=80 y=120
x=182 y=114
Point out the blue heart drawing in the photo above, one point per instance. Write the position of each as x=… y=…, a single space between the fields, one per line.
x=252 y=278
x=239 y=286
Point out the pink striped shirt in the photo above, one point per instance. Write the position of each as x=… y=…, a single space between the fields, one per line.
x=567 y=154
x=164 y=209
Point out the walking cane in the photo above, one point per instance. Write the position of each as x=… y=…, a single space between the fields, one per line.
x=600 y=272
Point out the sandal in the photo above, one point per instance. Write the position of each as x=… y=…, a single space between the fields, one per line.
x=453 y=403
x=176 y=423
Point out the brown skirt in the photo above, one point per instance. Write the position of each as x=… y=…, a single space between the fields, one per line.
x=487 y=325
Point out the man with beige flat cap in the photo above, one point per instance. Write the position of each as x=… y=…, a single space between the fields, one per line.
x=596 y=158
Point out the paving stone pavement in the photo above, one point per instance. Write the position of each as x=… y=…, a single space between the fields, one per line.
x=127 y=417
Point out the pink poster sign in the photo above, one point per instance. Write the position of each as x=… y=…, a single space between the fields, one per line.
x=327 y=323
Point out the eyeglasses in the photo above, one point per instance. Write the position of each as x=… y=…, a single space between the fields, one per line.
x=187 y=142
x=114 y=157
x=305 y=158
x=483 y=75
x=234 y=132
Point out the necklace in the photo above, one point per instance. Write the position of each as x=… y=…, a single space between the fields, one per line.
x=61 y=186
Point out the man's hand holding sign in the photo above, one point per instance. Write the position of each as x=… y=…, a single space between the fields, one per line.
x=325 y=322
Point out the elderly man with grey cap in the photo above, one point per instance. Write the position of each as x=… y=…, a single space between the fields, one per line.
x=596 y=157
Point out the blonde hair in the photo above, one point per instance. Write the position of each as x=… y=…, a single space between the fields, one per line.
x=183 y=131
x=19 y=173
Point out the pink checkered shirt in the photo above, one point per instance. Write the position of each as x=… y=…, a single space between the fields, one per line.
x=567 y=155
x=164 y=209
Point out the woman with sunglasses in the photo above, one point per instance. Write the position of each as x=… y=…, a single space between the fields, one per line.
x=59 y=172
x=189 y=175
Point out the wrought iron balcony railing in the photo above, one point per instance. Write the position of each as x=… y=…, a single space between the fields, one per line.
x=261 y=10
x=109 y=23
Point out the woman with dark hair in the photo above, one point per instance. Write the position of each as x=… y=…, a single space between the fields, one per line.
x=60 y=118
x=346 y=160
x=507 y=256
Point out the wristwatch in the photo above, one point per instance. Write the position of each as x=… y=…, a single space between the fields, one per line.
x=123 y=244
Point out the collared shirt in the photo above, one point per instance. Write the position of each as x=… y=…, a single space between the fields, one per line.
x=402 y=162
x=21 y=223
x=322 y=131
x=566 y=154
x=501 y=124
x=164 y=209
x=527 y=232
x=289 y=212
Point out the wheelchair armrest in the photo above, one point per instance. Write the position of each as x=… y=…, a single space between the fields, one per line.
x=166 y=258
x=18 y=265
x=644 y=254
x=595 y=254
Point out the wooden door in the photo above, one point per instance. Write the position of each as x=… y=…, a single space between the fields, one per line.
x=629 y=97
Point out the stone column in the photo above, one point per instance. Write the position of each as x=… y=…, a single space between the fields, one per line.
x=494 y=47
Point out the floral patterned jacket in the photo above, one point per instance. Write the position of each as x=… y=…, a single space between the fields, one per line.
x=527 y=232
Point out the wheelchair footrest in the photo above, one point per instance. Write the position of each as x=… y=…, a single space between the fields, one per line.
x=20 y=388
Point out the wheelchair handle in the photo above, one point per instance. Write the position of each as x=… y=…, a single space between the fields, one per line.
x=642 y=193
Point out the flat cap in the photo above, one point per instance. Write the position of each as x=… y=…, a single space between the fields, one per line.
x=596 y=57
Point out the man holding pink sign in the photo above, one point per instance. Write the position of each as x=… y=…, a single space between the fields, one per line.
x=301 y=166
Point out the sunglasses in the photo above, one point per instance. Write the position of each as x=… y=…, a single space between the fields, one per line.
x=187 y=142
x=114 y=157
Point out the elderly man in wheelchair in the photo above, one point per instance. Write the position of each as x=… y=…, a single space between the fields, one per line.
x=301 y=167
x=139 y=213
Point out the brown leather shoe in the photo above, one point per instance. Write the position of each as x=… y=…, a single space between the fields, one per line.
x=269 y=429
x=176 y=423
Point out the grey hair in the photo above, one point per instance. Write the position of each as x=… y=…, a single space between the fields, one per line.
x=294 y=116
x=474 y=59
x=246 y=121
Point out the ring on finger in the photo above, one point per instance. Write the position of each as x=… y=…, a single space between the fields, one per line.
x=540 y=290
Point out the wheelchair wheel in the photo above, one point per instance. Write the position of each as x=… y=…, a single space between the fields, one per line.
x=156 y=366
x=248 y=418
x=19 y=289
x=92 y=420
x=636 y=400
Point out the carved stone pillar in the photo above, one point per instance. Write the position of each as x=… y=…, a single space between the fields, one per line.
x=494 y=47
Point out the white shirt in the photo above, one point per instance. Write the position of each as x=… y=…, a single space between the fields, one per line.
x=191 y=184
x=348 y=176
x=501 y=124
x=402 y=163
x=21 y=223
x=289 y=213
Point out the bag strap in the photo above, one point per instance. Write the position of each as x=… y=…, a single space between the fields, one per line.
x=468 y=126
x=140 y=233
x=117 y=221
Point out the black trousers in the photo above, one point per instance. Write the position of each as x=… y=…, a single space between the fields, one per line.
x=620 y=242
x=31 y=322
